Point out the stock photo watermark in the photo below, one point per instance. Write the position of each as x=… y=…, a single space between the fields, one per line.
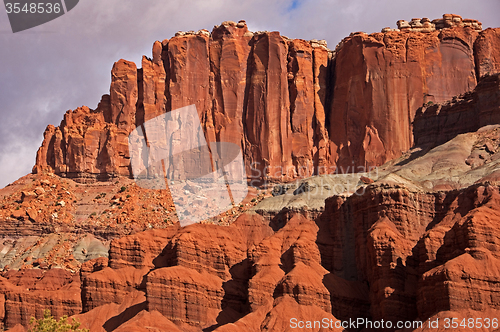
x=172 y=148
x=440 y=324
x=27 y=14
x=205 y=180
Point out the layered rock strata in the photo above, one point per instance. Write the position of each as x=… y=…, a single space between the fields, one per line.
x=26 y=294
x=435 y=124
x=421 y=253
x=426 y=25
x=387 y=252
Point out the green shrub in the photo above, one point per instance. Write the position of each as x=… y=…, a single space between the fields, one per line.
x=122 y=189
x=50 y=324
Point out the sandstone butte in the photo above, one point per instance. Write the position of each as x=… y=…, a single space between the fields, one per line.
x=294 y=107
x=418 y=241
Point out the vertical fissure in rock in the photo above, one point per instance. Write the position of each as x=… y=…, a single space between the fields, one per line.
x=246 y=144
x=140 y=113
x=166 y=65
x=292 y=69
x=350 y=251
x=330 y=91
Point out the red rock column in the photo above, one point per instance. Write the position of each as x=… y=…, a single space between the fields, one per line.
x=152 y=90
x=301 y=89
x=188 y=74
x=487 y=52
x=269 y=141
x=229 y=50
x=123 y=95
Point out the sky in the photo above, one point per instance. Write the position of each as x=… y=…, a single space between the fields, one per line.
x=66 y=63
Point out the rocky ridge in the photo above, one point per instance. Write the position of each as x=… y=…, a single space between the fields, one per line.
x=426 y=25
x=303 y=121
x=388 y=252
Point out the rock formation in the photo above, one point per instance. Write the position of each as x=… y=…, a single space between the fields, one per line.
x=486 y=50
x=26 y=294
x=383 y=78
x=415 y=239
x=294 y=107
x=436 y=124
x=388 y=253
x=426 y=25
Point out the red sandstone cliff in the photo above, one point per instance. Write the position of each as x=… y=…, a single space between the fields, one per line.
x=382 y=79
x=294 y=107
x=397 y=249
x=436 y=124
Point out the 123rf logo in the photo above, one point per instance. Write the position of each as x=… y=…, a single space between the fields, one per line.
x=27 y=14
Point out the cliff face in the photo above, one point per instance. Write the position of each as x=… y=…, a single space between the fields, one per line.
x=294 y=107
x=486 y=51
x=382 y=79
x=438 y=123
x=25 y=294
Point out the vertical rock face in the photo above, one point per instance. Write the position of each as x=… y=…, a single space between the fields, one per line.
x=487 y=52
x=229 y=50
x=109 y=286
x=202 y=294
x=301 y=90
x=462 y=273
x=294 y=107
x=151 y=86
x=123 y=95
x=437 y=123
x=381 y=80
x=189 y=78
x=268 y=114
x=383 y=236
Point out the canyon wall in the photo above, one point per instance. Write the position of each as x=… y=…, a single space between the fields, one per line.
x=294 y=107
x=420 y=253
x=383 y=78
x=436 y=124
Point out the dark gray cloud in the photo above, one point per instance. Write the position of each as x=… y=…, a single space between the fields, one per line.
x=66 y=63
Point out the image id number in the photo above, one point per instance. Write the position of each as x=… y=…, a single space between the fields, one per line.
x=471 y=323
x=33 y=8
